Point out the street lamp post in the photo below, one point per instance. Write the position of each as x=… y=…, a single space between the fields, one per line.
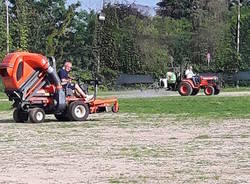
x=238 y=38
x=238 y=28
x=101 y=18
x=7 y=24
x=237 y=2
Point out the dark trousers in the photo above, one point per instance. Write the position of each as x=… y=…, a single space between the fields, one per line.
x=196 y=80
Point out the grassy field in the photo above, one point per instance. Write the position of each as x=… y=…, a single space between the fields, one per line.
x=5 y=105
x=198 y=106
x=182 y=107
x=231 y=89
x=3 y=95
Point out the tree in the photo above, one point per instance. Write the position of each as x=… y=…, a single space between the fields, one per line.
x=2 y=31
x=20 y=24
x=208 y=29
x=175 y=8
x=245 y=36
x=82 y=36
x=130 y=41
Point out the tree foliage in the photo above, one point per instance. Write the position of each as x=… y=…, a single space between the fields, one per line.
x=175 y=8
x=129 y=41
x=3 y=36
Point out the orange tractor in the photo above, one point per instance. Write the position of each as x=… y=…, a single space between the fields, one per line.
x=210 y=84
x=31 y=81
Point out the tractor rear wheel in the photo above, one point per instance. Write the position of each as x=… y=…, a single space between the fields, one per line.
x=37 y=115
x=209 y=90
x=78 y=111
x=19 y=116
x=185 y=89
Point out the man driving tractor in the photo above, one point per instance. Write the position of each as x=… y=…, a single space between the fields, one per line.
x=190 y=75
x=66 y=81
x=191 y=84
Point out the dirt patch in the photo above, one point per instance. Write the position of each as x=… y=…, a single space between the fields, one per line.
x=124 y=148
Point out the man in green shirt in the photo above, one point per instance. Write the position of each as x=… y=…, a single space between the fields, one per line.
x=171 y=77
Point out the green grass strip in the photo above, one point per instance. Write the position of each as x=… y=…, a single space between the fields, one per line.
x=234 y=89
x=5 y=105
x=3 y=95
x=197 y=106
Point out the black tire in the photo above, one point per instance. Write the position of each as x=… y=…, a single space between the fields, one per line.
x=209 y=90
x=114 y=110
x=78 y=111
x=19 y=116
x=195 y=92
x=37 y=115
x=216 y=91
x=62 y=117
x=185 y=89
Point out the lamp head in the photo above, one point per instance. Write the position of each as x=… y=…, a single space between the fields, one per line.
x=101 y=17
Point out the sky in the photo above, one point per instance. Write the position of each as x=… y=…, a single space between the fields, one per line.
x=97 y=4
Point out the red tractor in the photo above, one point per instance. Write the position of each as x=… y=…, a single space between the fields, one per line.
x=31 y=81
x=210 y=84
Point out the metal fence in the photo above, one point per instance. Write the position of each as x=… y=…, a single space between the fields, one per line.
x=241 y=78
x=231 y=79
x=126 y=79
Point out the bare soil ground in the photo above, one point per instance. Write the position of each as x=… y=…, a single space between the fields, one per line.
x=125 y=148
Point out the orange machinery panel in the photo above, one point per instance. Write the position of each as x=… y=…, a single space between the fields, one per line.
x=17 y=67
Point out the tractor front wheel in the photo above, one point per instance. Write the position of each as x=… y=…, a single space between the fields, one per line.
x=185 y=89
x=37 y=115
x=209 y=90
x=115 y=108
x=78 y=111
x=19 y=116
